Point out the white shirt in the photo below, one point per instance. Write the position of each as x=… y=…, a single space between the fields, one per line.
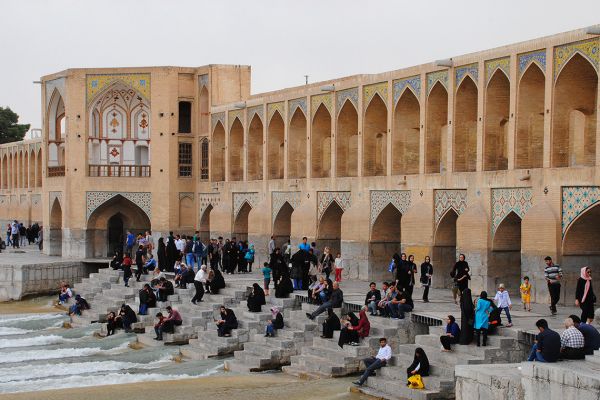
x=339 y=263
x=180 y=244
x=271 y=246
x=502 y=299
x=14 y=229
x=384 y=353
x=200 y=276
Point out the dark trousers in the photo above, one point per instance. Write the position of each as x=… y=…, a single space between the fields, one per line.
x=372 y=364
x=554 y=290
x=426 y=293
x=138 y=273
x=481 y=332
x=570 y=353
x=199 y=291
x=447 y=341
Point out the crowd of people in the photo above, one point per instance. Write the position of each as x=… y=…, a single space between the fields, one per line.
x=18 y=235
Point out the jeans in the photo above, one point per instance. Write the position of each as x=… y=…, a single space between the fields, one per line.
x=189 y=259
x=372 y=307
x=270 y=330
x=322 y=308
x=372 y=364
x=535 y=355
x=397 y=310
x=322 y=296
x=554 y=289
x=297 y=284
x=507 y=311
x=63 y=298
x=126 y=280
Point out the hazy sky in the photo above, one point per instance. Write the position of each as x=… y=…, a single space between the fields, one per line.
x=282 y=40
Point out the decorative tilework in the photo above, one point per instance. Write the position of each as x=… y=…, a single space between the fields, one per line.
x=491 y=66
x=589 y=49
x=252 y=111
x=381 y=198
x=217 y=117
x=240 y=198
x=414 y=83
x=538 y=57
x=203 y=81
x=325 y=99
x=183 y=195
x=96 y=83
x=346 y=94
x=575 y=201
x=208 y=199
x=445 y=200
x=471 y=70
x=297 y=103
x=434 y=77
x=369 y=92
x=273 y=107
x=278 y=199
x=141 y=199
x=507 y=200
x=324 y=199
x=233 y=114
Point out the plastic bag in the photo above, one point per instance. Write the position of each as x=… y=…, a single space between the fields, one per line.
x=415 y=382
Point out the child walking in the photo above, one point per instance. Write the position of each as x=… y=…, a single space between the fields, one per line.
x=525 y=290
x=339 y=267
x=266 y=270
x=502 y=300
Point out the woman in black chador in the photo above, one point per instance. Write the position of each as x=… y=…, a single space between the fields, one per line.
x=467 y=314
x=331 y=324
x=256 y=299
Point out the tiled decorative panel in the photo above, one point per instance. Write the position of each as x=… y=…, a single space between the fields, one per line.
x=370 y=91
x=141 y=199
x=347 y=94
x=293 y=105
x=446 y=199
x=96 y=83
x=589 y=49
x=278 y=199
x=435 y=77
x=233 y=114
x=414 y=83
x=538 y=57
x=240 y=198
x=203 y=81
x=507 y=200
x=208 y=199
x=381 y=198
x=575 y=201
x=324 y=199
x=215 y=118
x=315 y=101
x=491 y=66
x=472 y=70
x=272 y=108
x=256 y=110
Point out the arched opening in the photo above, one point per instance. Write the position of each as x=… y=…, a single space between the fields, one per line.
x=406 y=135
x=385 y=241
x=255 y=149
x=116 y=234
x=185 y=117
x=497 y=110
x=436 y=136
x=240 y=225
x=106 y=217
x=504 y=265
x=31 y=169
x=203 y=108
x=574 y=116
x=15 y=170
x=186 y=213
x=275 y=145
x=204 y=159
x=465 y=127
x=530 y=119
x=142 y=156
x=329 y=232
x=443 y=256
x=204 y=227
x=347 y=141
x=236 y=151
x=218 y=153
x=39 y=168
x=321 y=143
x=297 y=145
x=5 y=172
x=375 y=138
x=282 y=226
x=55 y=237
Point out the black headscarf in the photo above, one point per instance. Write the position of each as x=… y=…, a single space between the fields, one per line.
x=256 y=298
x=420 y=359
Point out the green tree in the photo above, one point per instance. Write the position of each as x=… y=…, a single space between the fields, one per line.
x=10 y=129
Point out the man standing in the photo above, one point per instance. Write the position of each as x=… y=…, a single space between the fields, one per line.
x=304 y=245
x=553 y=275
x=372 y=363
x=271 y=246
x=14 y=231
x=129 y=242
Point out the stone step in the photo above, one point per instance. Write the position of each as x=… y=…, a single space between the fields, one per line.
x=435 y=355
x=301 y=373
x=319 y=366
x=434 y=382
x=435 y=369
x=389 y=389
x=487 y=352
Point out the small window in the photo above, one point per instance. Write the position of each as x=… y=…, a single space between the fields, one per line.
x=204 y=160
x=185 y=159
x=185 y=117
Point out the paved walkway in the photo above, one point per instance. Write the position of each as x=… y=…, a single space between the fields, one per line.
x=26 y=255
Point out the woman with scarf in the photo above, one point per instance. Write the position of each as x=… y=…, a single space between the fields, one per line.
x=256 y=299
x=172 y=253
x=353 y=332
x=277 y=265
x=584 y=295
x=275 y=323
x=460 y=273
x=227 y=322
x=331 y=324
x=426 y=274
x=420 y=364
x=161 y=254
x=483 y=308
x=217 y=282
x=284 y=285
x=467 y=315
x=326 y=262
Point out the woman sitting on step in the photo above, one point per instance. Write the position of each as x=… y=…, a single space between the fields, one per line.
x=452 y=335
x=217 y=282
x=227 y=322
x=351 y=333
x=331 y=324
x=274 y=324
x=420 y=364
x=256 y=299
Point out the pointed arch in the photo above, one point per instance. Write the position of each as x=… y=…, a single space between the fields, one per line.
x=217 y=164
x=204 y=227
x=385 y=240
x=38 y=182
x=436 y=129
x=444 y=248
x=275 y=146
x=406 y=135
x=465 y=126
x=5 y=172
x=529 y=147
x=236 y=151
x=282 y=225
x=321 y=143
x=504 y=265
x=375 y=138
x=297 y=138
x=347 y=140
x=55 y=230
x=204 y=111
x=240 y=223
x=255 y=149
x=574 y=114
x=497 y=115
x=329 y=231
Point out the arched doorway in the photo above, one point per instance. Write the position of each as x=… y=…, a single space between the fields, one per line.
x=406 y=135
x=275 y=147
x=255 y=149
x=240 y=225
x=282 y=226
x=236 y=154
x=443 y=256
x=436 y=133
x=347 y=141
x=329 y=232
x=297 y=145
x=54 y=239
x=375 y=138
x=104 y=223
x=204 y=227
x=497 y=110
x=504 y=265
x=465 y=128
x=385 y=241
x=574 y=114
x=321 y=143
x=530 y=118
x=217 y=145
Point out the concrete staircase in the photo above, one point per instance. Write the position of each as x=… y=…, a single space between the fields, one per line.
x=390 y=381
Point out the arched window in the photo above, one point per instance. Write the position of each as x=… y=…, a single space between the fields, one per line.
x=204 y=159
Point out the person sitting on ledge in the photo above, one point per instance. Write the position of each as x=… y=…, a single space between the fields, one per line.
x=420 y=364
x=111 y=324
x=351 y=334
x=399 y=305
x=116 y=261
x=319 y=291
x=150 y=264
x=168 y=324
x=547 y=344
x=126 y=317
x=217 y=282
x=80 y=305
x=372 y=298
x=65 y=293
x=590 y=334
x=158 y=326
x=227 y=322
x=147 y=299
x=256 y=299
x=571 y=342
x=331 y=324
x=452 y=335
x=165 y=289
x=335 y=301
x=388 y=294
x=373 y=363
x=275 y=323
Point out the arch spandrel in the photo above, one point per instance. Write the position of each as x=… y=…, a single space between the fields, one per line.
x=141 y=199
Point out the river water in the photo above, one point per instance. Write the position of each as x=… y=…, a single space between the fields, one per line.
x=37 y=353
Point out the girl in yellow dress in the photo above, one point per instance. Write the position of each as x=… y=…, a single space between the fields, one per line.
x=525 y=290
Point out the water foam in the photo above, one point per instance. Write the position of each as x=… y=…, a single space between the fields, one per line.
x=29 y=355
x=32 y=341
x=28 y=317
x=7 y=330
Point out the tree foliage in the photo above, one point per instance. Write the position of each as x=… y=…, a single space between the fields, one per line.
x=10 y=129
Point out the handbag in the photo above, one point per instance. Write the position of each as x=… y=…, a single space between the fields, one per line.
x=391 y=267
x=415 y=382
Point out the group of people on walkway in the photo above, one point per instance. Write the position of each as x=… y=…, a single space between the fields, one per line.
x=18 y=235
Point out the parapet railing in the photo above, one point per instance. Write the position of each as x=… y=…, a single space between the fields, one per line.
x=56 y=171
x=139 y=171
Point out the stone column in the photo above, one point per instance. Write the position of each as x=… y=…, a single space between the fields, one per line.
x=422 y=119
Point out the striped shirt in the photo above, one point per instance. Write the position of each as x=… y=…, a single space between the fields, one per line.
x=553 y=273
x=572 y=338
